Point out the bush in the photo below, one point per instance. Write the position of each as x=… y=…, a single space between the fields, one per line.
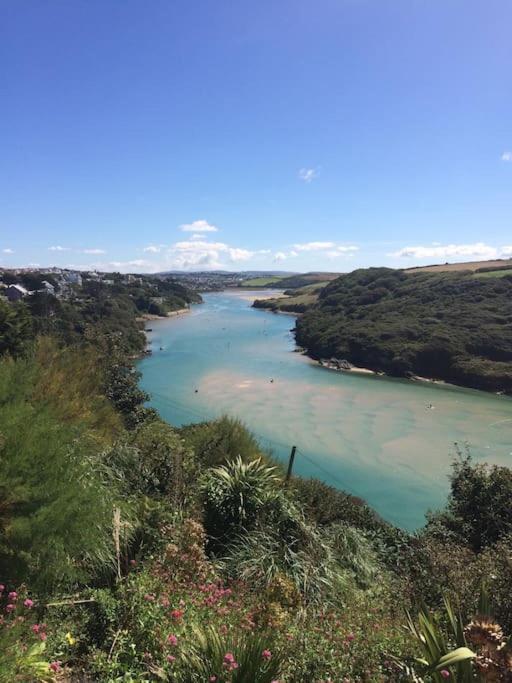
x=219 y=441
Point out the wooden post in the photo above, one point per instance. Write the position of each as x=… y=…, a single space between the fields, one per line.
x=290 y=464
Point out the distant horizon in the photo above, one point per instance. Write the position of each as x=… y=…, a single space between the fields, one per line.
x=263 y=271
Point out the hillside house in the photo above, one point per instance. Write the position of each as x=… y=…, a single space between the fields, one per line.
x=16 y=293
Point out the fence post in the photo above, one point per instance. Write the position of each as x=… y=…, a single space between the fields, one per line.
x=290 y=464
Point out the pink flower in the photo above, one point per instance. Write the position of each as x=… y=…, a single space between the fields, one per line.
x=266 y=654
x=13 y=596
x=171 y=659
x=350 y=637
x=2 y=587
x=28 y=603
x=10 y=608
x=149 y=598
x=42 y=636
x=212 y=679
x=230 y=662
x=172 y=639
x=177 y=613
x=35 y=628
x=55 y=666
x=133 y=563
x=445 y=673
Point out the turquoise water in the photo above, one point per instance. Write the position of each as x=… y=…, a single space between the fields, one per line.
x=373 y=436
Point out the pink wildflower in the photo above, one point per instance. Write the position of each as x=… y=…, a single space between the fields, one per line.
x=350 y=637
x=2 y=587
x=212 y=679
x=10 y=608
x=35 y=628
x=42 y=636
x=172 y=639
x=177 y=613
x=171 y=659
x=266 y=654
x=229 y=661
x=13 y=596
x=445 y=673
x=28 y=603
x=149 y=598
x=133 y=563
x=55 y=666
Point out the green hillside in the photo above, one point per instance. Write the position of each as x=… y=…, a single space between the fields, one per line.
x=449 y=326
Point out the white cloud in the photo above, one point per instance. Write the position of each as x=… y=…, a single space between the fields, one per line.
x=7 y=251
x=448 y=251
x=506 y=156
x=59 y=248
x=506 y=251
x=93 y=251
x=152 y=249
x=314 y=246
x=199 y=226
x=201 y=253
x=308 y=174
x=341 y=251
x=280 y=256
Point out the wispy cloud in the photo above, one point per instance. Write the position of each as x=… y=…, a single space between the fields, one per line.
x=506 y=156
x=506 y=251
x=7 y=251
x=152 y=249
x=341 y=250
x=93 y=251
x=314 y=246
x=199 y=226
x=447 y=251
x=59 y=248
x=280 y=256
x=308 y=174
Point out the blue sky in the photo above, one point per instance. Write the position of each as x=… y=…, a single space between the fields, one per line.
x=144 y=135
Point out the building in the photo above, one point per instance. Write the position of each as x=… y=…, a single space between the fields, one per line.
x=72 y=278
x=16 y=293
x=47 y=287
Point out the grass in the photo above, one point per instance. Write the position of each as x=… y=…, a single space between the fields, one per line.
x=449 y=267
x=494 y=273
x=261 y=281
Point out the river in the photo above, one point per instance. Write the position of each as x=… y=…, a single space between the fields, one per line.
x=389 y=441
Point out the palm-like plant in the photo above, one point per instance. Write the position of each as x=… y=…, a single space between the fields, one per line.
x=235 y=496
x=243 y=658
x=439 y=655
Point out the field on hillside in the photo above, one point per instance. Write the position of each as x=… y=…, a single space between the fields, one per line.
x=494 y=273
x=261 y=281
x=469 y=265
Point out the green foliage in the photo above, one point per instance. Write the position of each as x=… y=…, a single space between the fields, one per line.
x=439 y=652
x=326 y=505
x=56 y=501
x=235 y=659
x=449 y=326
x=16 y=330
x=478 y=511
x=153 y=462
x=220 y=441
x=22 y=651
x=236 y=496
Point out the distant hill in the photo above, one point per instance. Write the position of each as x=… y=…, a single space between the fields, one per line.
x=451 y=326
